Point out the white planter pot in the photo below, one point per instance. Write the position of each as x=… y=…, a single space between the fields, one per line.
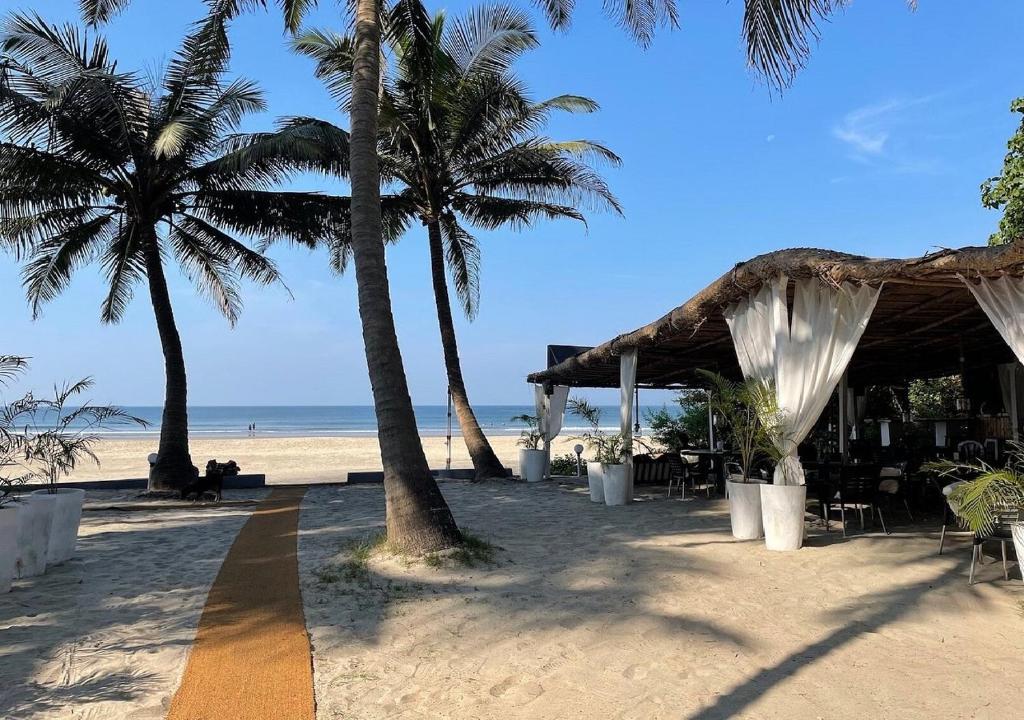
x=8 y=544
x=532 y=464
x=782 y=512
x=616 y=485
x=1017 y=529
x=745 y=510
x=35 y=523
x=595 y=480
x=66 y=517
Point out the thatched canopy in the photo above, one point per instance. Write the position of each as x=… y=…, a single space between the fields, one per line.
x=926 y=323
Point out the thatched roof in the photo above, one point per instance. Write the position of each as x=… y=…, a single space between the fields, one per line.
x=925 y=322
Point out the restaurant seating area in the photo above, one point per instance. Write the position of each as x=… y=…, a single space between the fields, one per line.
x=838 y=340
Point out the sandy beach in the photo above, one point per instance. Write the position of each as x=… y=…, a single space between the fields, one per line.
x=291 y=459
x=106 y=634
x=650 y=611
x=646 y=611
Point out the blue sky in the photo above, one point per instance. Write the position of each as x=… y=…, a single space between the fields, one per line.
x=879 y=148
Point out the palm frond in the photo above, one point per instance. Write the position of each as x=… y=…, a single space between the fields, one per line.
x=334 y=54
x=54 y=260
x=123 y=267
x=462 y=255
x=779 y=33
x=11 y=366
x=100 y=11
x=489 y=38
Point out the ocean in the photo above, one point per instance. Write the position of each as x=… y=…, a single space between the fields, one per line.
x=338 y=420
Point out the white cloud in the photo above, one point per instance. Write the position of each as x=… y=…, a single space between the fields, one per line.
x=770 y=138
x=868 y=130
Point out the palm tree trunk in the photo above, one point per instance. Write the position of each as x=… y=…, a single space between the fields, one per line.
x=485 y=462
x=418 y=518
x=173 y=469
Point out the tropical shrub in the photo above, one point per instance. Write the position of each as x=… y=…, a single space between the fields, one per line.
x=530 y=438
x=608 y=448
x=978 y=501
x=566 y=465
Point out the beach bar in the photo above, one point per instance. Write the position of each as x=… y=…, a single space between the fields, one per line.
x=821 y=324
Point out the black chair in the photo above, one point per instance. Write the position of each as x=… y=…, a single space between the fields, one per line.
x=679 y=472
x=1001 y=531
x=702 y=468
x=858 y=488
x=892 y=484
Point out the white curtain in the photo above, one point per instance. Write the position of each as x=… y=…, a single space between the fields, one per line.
x=550 y=413
x=1011 y=386
x=1002 y=299
x=804 y=357
x=627 y=386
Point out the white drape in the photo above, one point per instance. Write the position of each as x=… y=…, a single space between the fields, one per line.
x=550 y=414
x=805 y=357
x=627 y=386
x=1002 y=299
x=1011 y=386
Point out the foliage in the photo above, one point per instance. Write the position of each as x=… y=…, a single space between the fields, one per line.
x=101 y=165
x=460 y=140
x=935 y=397
x=531 y=437
x=52 y=435
x=750 y=411
x=566 y=465
x=1006 y=190
x=978 y=501
x=675 y=431
x=608 y=448
x=11 y=440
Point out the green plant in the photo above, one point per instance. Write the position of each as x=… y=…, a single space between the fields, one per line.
x=566 y=465
x=935 y=397
x=978 y=501
x=531 y=437
x=608 y=448
x=739 y=405
x=676 y=431
x=1006 y=191
x=53 y=436
x=11 y=439
x=756 y=425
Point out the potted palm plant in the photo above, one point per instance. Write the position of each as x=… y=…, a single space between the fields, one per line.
x=10 y=478
x=606 y=469
x=532 y=459
x=978 y=502
x=783 y=501
x=56 y=437
x=738 y=404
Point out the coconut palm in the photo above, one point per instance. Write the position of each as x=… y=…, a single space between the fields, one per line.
x=415 y=517
x=458 y=139
x=100 y=166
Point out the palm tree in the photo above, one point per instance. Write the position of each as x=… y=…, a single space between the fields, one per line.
x=458 y=135
x=416 y=519
x=101 y=166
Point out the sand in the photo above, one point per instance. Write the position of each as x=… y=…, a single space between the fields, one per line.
x=290 y=460
x=645 y=611
x=652 y=611
x=106 y=634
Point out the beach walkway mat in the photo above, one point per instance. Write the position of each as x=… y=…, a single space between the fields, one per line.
x=251 y=659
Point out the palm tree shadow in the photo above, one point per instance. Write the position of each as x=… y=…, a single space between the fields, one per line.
x=885 y=608
x=71 y=637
